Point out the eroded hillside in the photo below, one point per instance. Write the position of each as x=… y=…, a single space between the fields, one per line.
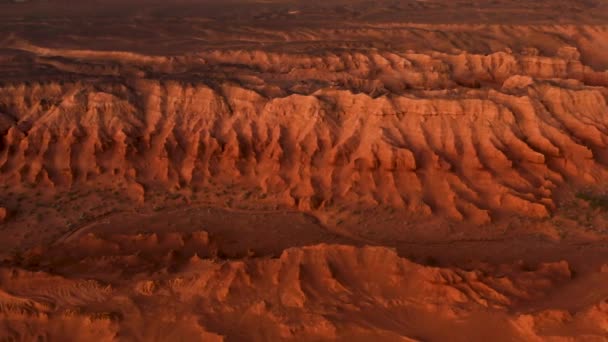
x=416 y=170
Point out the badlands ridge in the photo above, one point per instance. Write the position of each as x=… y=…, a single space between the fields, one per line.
x=305 y=172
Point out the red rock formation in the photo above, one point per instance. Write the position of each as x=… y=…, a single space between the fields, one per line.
x=197 y=170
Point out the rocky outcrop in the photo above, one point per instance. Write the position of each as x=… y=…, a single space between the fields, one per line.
x=316 y=292
x=424 y=121
x=466 y=153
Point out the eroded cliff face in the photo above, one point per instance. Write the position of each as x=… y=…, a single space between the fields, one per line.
x=246 y=171
x=466 y=136
x=310 y=293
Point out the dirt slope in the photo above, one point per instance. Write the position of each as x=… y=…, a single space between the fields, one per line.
x=407 y=171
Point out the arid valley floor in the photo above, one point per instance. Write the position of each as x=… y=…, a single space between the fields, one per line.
x=239 y=170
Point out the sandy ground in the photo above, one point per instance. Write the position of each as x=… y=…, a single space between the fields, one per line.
x=307 y=171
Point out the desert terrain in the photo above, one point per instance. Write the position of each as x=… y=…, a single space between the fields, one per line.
x=240 y=170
